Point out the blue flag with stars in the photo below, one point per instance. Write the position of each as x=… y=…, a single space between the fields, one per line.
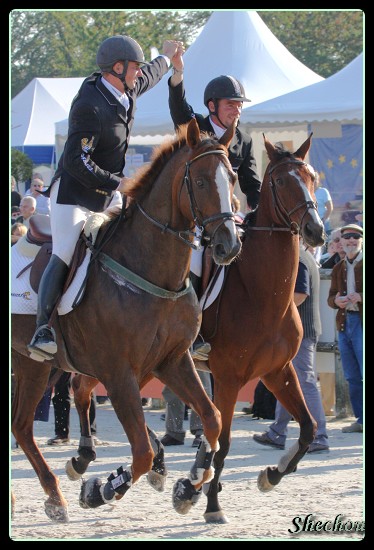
x=339 y=162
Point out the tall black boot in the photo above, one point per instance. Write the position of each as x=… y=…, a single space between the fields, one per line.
x=199 y=349
x=43 y=344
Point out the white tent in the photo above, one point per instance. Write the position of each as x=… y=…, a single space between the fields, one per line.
x=338 y=98
x=37 y=107
x=232 y=42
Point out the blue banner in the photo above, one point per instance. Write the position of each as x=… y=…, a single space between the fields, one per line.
x=339 y=162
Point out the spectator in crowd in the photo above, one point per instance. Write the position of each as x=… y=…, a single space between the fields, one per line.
x=339 y=253
x=92 y=164
x=27 y=208
x=346 y=295
x=43 y=203
x=325 y=208
x=175 y=409
x=15 y=213
x=325 y=205
x=15 y=195
x=306 y=298
x=16 y=232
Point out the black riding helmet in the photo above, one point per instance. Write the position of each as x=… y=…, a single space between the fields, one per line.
x=118 y=48
x=223 y=87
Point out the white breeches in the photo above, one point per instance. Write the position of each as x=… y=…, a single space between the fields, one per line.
x=67 y=221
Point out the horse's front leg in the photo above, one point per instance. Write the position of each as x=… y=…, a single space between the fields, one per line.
x=285 y=386
x=225 y=396
x=188 y=387
x=126 y=401
x=82 y=387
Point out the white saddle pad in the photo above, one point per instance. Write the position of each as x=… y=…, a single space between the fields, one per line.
x=213 y=288
x=23 y=299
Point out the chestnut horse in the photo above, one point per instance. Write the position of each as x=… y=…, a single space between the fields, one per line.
x=254 y=327
x=139 y=315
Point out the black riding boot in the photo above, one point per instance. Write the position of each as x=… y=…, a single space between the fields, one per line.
x=199 y=349
x=43 y=344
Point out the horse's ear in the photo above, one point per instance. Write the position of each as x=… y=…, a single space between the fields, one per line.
x=229 y=134
x=193 y=134
x=304 y=148
x=270 y=148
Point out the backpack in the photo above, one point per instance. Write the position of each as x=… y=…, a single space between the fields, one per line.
x=264 y=402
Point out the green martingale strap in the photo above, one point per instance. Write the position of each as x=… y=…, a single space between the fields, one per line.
x=142 y=283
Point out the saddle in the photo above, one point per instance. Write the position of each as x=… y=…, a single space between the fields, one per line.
x=39 y=234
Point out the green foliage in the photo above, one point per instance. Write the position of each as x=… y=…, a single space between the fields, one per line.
x=21 y=165
x=63 y=43
x=324 y=41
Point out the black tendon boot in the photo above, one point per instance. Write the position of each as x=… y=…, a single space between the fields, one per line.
x=43 y=344
x=199 y=349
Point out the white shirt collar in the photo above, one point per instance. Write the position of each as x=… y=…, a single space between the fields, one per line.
x=217 y=129
x=122 y=98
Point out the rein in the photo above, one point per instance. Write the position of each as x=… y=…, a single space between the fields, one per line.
x=279 y=208
x=185 y=234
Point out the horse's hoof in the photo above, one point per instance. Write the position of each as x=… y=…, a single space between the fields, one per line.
x=184 y=496
x=72 y=474
x=263 y=482
x=157 y=481
x=90 y=495
x=58 y=514
x=215 y=517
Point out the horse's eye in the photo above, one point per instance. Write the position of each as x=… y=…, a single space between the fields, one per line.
x=200 y=183
x=279 y=181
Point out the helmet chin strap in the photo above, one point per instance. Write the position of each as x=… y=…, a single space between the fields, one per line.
x=121 y=76
x=215 y=112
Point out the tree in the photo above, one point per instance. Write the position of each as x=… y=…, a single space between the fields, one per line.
x=325 y=41
x=63 y=43
x=21 y=165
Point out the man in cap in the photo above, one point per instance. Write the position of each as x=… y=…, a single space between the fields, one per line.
x=346 y=295
x=91 y=167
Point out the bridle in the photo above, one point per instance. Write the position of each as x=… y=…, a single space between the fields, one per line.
x=201 y=224
x=280 y=210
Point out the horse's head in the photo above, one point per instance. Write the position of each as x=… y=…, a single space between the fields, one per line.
x=206 y=192
x=291 y=185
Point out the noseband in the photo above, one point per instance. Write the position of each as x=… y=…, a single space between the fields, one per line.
x=197 y=236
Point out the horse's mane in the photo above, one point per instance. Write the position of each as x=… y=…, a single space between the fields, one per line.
x=145 y=176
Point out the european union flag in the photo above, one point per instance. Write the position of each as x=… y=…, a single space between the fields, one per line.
x=339 y=162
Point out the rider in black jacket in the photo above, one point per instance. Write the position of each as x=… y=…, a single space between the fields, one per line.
x=91 y=167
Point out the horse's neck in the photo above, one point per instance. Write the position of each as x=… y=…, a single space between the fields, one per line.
x=160 y=257
x=274 y=252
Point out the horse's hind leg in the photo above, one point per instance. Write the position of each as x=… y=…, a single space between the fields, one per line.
x=30 y=381
x=285 y=386
x=82 y=387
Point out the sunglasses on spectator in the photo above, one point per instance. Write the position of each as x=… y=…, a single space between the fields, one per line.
x=355 y=236
x=337 y=240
